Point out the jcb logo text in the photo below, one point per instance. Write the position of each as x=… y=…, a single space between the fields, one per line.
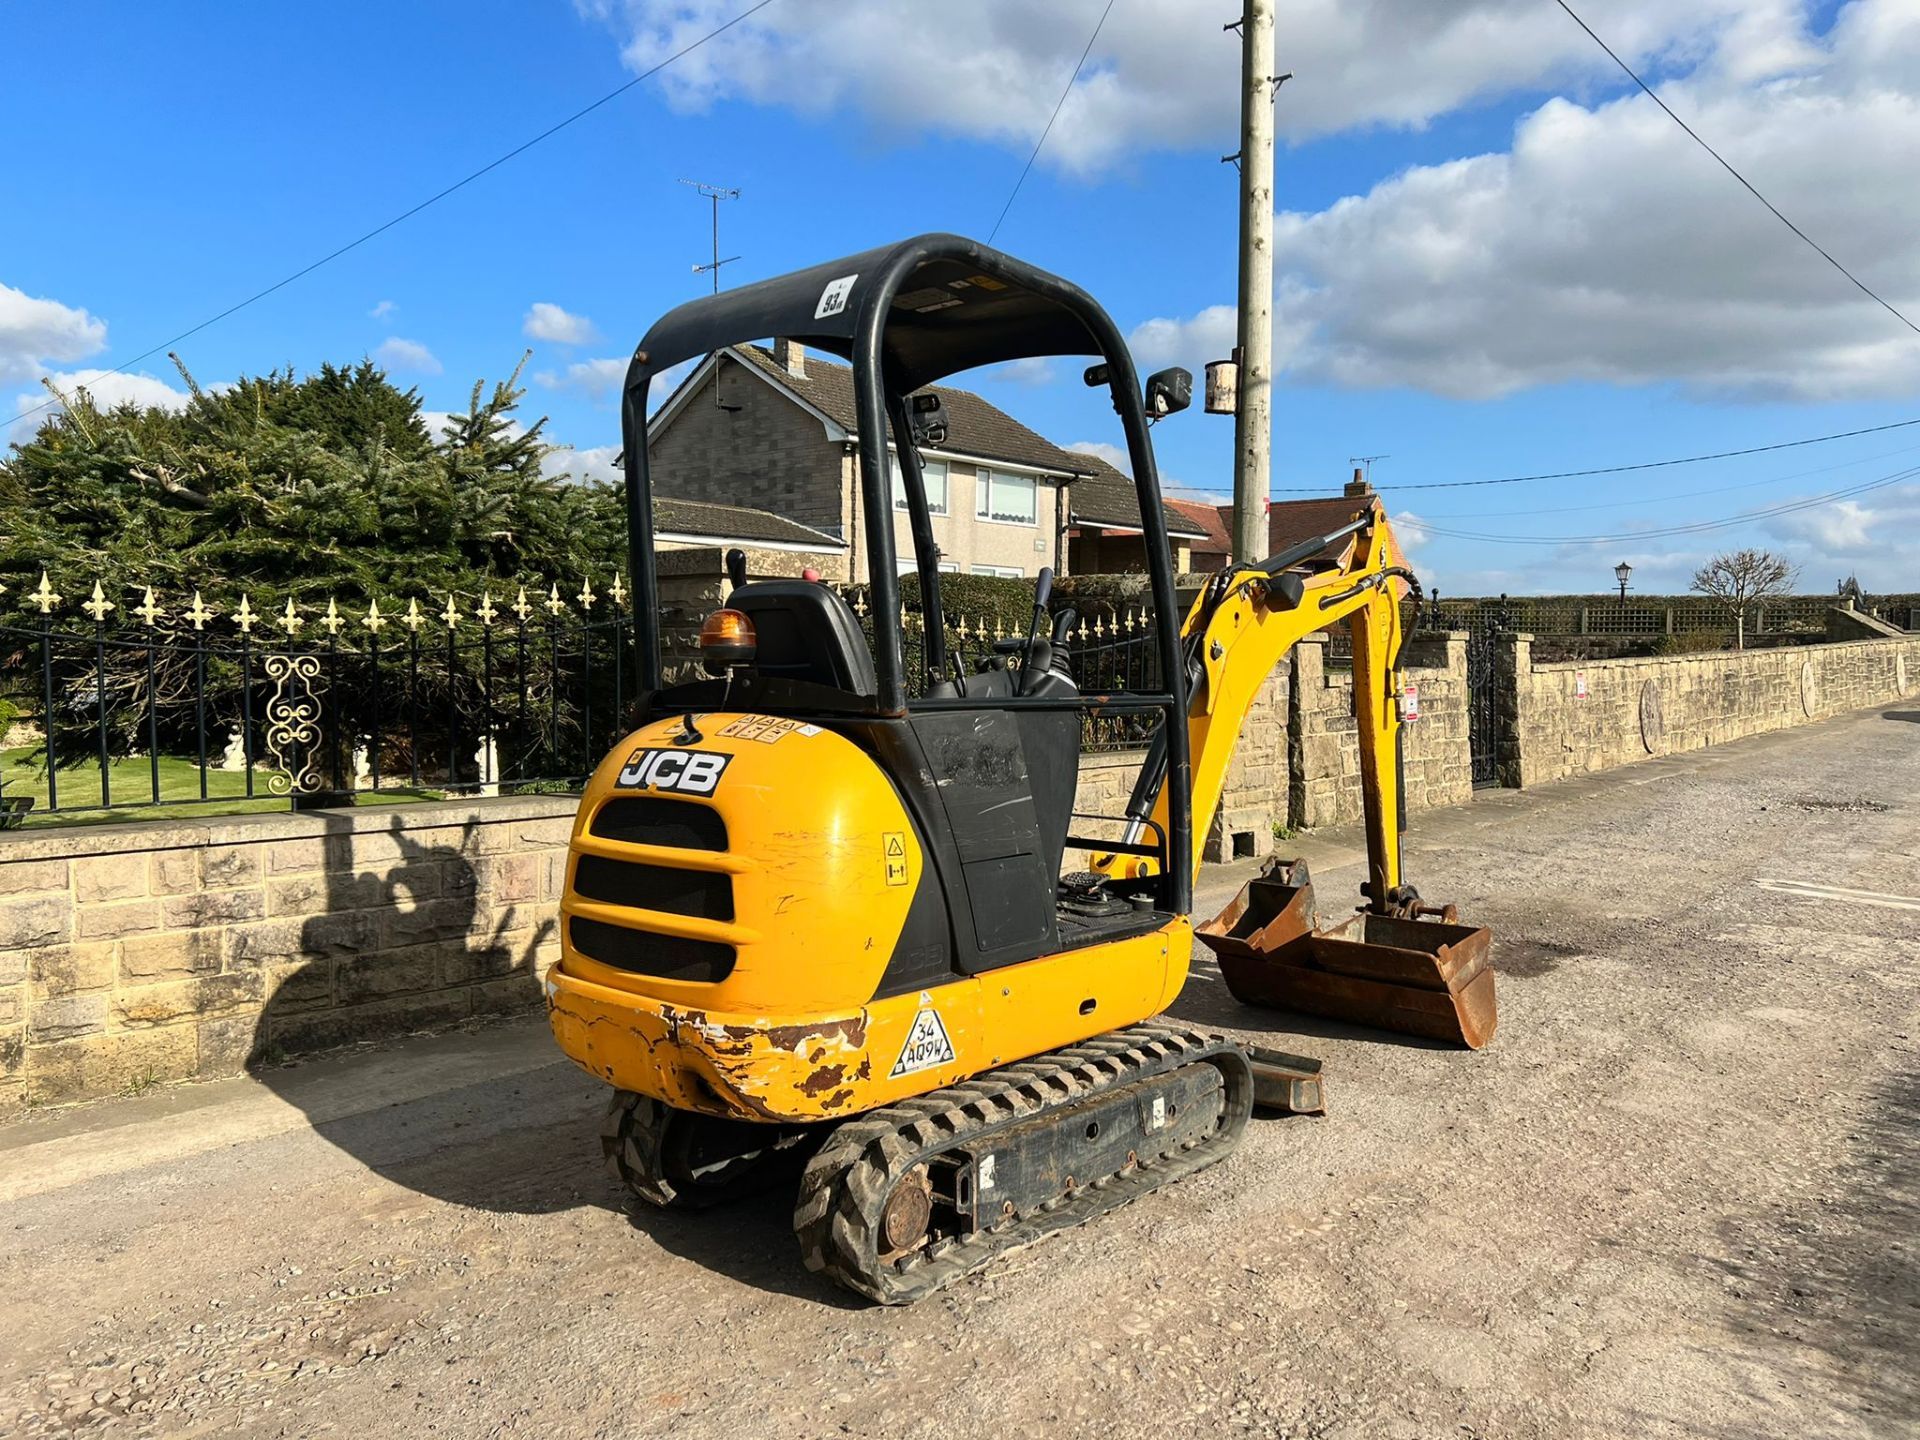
x=690 y=772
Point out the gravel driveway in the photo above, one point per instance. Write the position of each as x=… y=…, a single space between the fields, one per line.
x=1680 y=1195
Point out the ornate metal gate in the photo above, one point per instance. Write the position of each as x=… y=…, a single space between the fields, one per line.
x=1484 y=686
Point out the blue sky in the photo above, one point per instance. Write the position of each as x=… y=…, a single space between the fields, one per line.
x=1493 y=257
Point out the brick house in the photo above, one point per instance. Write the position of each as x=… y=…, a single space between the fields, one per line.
x=773 y=429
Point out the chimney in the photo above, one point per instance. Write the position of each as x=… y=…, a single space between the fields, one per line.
x=1358 y=485
x=791 y=356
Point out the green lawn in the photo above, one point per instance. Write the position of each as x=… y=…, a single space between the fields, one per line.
x=131 y=790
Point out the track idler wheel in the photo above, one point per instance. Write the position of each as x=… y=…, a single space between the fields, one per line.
x=678 y=1160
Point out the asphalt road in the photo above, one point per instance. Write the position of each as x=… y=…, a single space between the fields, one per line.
x=1679 y=1196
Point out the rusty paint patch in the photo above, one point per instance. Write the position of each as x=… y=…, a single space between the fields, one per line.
x=836 y=1100
x=824 y=1078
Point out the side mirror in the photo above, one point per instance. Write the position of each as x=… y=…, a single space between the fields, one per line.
x=928 y=414
x=1169 y=391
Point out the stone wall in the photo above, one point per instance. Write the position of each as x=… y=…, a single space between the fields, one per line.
x=1325 y=759
x=132 y=954
x=1632 y=709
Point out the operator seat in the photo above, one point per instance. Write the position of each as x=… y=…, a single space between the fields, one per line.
x=805 y=631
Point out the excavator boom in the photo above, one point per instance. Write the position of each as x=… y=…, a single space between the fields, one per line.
x=1398 y=964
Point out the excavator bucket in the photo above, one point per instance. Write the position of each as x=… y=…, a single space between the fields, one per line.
x=1418 y=976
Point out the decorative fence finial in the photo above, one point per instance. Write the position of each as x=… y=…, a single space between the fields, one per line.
x=149 y=611
x=451 y=614
x=290 y=620
x=587 y=597
x=99 y=606
x=487 y=611
x=199 y=614
x=331 y=620
x=414 y=619
x=44 y=596
x=244 y=617
x=521 y=607
x=617 y=590
x=555 y=605
x=373 y=622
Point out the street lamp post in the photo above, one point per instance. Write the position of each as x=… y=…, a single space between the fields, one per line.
x=1620 y=573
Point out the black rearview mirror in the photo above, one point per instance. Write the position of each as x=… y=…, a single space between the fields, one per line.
x=929 y=416
x=1169 y=391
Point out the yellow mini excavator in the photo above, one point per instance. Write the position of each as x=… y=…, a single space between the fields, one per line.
x=815 y=919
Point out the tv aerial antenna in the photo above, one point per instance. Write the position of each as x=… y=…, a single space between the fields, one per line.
x=714 y=195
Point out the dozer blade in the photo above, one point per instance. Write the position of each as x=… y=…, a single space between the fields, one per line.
x=1428 y=977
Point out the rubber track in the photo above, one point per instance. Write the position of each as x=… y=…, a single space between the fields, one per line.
x=845 y=1188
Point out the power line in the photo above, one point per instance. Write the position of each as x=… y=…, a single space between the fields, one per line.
x=1014 y=194
x=1668 y=497
x=1817 y=247
x=1625 y=469
x=431 y=200
x=1692 y=528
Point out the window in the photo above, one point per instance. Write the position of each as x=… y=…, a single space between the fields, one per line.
x=908 y=567
x=1003 y=497
x=1005 y=572
x=933 y=475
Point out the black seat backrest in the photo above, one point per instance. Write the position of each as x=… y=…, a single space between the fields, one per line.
x=806 y=632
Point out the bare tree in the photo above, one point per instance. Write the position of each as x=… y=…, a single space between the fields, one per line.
x=1743 y=578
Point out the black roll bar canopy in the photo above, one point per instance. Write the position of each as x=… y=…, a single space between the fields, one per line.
x=906 y=316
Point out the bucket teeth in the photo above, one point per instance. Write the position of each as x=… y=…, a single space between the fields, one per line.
x=1427 y=977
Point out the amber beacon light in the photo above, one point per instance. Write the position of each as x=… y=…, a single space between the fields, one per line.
x=726 y=640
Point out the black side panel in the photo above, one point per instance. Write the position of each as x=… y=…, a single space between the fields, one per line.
x=978 y=765
x=938 y=917
x=923 y=956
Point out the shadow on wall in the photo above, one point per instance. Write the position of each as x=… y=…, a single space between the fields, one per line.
x=463 y=1118
x=1910 y=715
x=396 y=946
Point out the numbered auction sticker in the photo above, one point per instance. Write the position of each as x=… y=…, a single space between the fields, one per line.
x=833 y=299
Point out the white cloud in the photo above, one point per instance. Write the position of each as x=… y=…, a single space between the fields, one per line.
x=549 y=322
x=1191 y=342
x=596 y=379
x=595 y=462
x=107 y=390
x=1162 y=73
x=383 y=310
x=1032 y=370
x=35 y=334
x=1873 y=536
x=1606 y=246
x=1112 y=454
x=407 y=355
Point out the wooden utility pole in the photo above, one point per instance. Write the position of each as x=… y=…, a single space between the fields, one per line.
x=1253 y=414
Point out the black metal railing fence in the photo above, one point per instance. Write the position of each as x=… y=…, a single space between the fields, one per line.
x=119 y=712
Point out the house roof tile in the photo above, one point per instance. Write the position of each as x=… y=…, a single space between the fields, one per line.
x=735 y=522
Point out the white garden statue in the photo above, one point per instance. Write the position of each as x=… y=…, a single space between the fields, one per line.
x=235 y=757
x=362 y=767
x=486 y=761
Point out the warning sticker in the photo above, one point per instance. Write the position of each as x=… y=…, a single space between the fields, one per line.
x=833 y=299
x=927 y=1045
x=766 y=728
x=896 y=852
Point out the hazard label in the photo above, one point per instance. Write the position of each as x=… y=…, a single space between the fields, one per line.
x=927 y=1045
x=896 y=853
